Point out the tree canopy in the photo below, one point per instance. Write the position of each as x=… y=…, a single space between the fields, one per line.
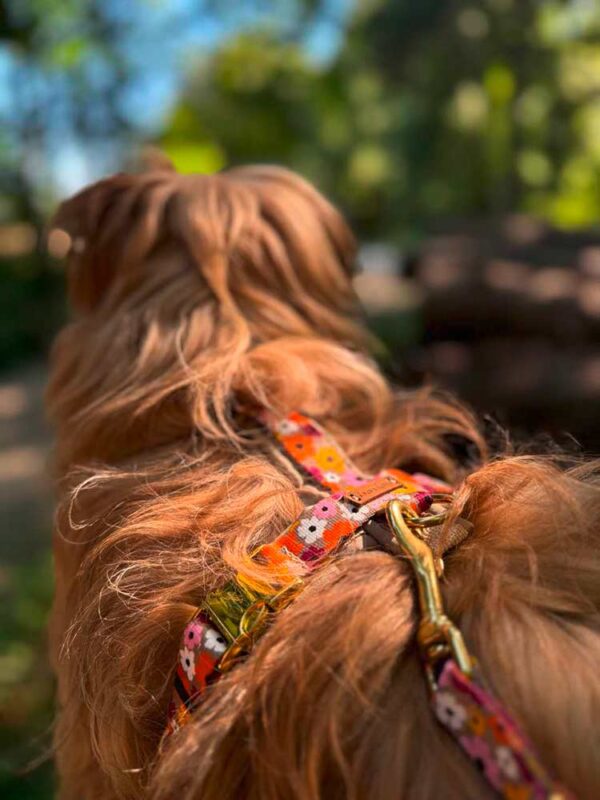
x=427 y=109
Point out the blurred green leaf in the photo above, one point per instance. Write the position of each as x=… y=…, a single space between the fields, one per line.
x=68 y=54
x=188 y=157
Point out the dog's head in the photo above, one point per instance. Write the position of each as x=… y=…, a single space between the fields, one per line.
x=173 y=276
x=259 y=237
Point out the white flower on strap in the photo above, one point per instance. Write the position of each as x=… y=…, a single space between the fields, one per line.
x=449 y=711
x=332 y=477
x=311 y=529
x=188 y=662
x=507 y=763
x=287 y=427
x=354 y=512
x=214 y=641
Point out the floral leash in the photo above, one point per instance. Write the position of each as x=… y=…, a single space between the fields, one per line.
x=478 y=722
x=231 y=619
x=491 y=738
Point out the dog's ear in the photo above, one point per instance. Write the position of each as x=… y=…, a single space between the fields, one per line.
x=108 y=229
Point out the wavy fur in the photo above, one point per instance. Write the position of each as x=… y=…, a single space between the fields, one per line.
x=196 y=299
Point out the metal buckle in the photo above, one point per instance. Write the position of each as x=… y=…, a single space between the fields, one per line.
x=437 y=636
x=242 y=614
x=415 y=520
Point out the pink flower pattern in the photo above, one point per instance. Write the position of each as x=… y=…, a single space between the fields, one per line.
x=499 y=747
x=319 y=530
x=192 y=635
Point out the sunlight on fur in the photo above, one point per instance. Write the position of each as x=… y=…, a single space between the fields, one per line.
x=196 y=300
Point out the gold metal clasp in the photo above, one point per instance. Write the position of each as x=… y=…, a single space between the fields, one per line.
x=415 y=520
x=242 y=613
x=437 y=636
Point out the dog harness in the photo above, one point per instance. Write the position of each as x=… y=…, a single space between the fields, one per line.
x=231 y=619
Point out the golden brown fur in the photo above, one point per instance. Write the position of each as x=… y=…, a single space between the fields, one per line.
x=197 y=298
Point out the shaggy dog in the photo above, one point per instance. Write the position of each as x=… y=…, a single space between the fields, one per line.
x=197 y=300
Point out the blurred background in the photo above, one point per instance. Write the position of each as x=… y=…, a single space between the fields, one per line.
x=462 y=139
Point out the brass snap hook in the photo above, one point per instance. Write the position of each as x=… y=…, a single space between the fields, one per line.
x=437 y=635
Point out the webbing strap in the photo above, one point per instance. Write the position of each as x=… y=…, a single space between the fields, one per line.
x=492 y=738
x=324 y=526
x=319 y=455
x=316 y=534
x=483 y=728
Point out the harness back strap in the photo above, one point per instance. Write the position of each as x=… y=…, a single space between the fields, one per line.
x=319 y=531
x=226 y=624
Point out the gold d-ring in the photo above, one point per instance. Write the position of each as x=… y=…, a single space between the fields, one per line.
x=415 y=520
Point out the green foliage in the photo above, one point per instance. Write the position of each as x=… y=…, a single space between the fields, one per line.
x=31 y=306
x=26 y=686
x=428 y=109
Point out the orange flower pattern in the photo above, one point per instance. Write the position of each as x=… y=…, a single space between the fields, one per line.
x=484 y=730
x=319 y=531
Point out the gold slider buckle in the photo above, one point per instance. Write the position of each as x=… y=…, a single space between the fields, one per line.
x=437 y=636
x=242 y=614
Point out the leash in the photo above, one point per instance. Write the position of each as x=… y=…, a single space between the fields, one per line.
x=231 y=619
x=478 y=722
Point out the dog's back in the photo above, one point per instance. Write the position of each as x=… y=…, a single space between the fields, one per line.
x=197 y=301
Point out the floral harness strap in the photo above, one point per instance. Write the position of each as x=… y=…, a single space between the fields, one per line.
x=232 y=618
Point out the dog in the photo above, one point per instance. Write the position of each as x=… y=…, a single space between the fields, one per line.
x=199 y=301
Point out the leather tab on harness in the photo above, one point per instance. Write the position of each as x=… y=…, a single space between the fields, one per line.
x=371 y=490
